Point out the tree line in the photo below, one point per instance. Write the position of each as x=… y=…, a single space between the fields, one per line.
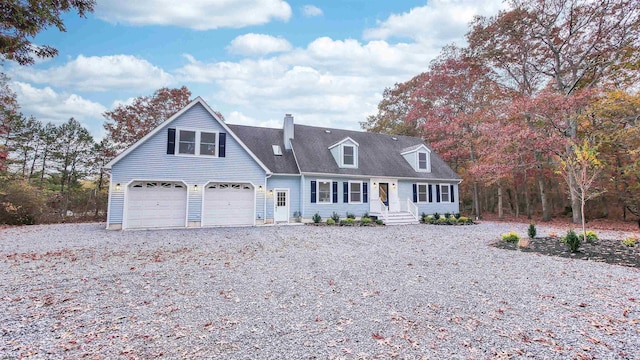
x=539 y=113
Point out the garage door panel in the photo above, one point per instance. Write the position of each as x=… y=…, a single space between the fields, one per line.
x=156 y=206
x=228 y=204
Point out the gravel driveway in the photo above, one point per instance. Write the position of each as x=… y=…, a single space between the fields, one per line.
x=303 y=292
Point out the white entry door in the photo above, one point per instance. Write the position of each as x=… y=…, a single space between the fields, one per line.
x=228 y=204
x=156 y=204
x=281 y=200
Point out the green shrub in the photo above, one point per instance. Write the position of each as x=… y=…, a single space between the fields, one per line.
x=316 y=218
x=444 y=221
x=347 y=222
x=379 y=222
x=462 y=220
x=436 y=216
x=532 y=231
x=365 y=221
x=572 y=241
x=350 y=215
x=510 y=237
x=457 y=216
x=335 y=217
x=630 y=241
x=591 y=236
x=365 y=215
x=447 y=215
x=423 y=218
x=330 y=221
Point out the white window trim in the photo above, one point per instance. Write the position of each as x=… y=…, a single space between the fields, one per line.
x=318 y=181
x=448 y=187
x=361 y=192
x=197 y=145
x=428 y=168
x=426 y=192
x=355 y=156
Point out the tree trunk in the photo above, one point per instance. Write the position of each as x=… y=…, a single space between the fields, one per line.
x=517 y=201
x=527 y=202
x=576 y=209
x=500 y=212
x=476 y=200
x=546 y=213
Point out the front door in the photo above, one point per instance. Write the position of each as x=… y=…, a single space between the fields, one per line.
x=281 y=212
x=383 y=193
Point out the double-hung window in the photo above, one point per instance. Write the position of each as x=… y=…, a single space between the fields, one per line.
x=348 y=155
x=444 y=193
x=423 y=193
x=422 y=161
x=199 y=143
x=355 y=192
x=324 y=192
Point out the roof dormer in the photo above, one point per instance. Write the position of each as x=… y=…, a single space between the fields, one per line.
x=345 y=153
x=419 y=157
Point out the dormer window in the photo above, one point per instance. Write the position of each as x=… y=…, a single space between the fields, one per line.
x=423 y=161
x=348 y=155
x=345 y=152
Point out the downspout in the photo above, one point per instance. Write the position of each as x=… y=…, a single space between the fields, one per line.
x=264 y=217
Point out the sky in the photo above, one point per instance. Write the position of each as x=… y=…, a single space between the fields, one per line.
x=325 y=62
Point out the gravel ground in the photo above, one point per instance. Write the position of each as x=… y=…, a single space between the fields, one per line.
x=303 y=292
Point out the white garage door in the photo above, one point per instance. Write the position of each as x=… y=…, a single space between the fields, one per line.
x=228 y=204
x=153 y=204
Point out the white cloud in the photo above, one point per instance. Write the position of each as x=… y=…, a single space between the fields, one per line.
x=194 y=14
x=49 y=106
x=439 y=21
x=258 y=44
x=99 y=73
x=311 y=10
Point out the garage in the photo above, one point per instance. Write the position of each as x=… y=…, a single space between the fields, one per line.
x=156 y=204
x=228 y=204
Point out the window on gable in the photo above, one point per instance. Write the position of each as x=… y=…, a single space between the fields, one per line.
x=355 y=192
x=208 y=143
x=348 y=155
x=193 y=142
x=187 y=143
x=422 y=161
x=324 y=192
x=444 y=193
x=422 y=192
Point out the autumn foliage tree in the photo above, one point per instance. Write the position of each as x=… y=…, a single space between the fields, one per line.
x=128 y=123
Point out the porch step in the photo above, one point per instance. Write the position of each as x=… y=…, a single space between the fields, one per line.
x=400 y=218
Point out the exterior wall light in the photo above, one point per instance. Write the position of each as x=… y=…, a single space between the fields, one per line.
x=195 y=187
x=118 y=187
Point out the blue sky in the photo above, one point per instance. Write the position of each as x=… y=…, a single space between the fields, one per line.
x=325 y=62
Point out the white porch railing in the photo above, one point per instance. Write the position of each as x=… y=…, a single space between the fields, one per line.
x=378 y=207
x=413 y=209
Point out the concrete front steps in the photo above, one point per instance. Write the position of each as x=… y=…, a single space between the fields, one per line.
x=400 y=218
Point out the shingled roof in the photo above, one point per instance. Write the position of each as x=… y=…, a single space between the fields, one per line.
x=378 y=154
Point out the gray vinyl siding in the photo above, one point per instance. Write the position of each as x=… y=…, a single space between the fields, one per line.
x=284 y=182
x=150 y=161
x=325 y=210
x=405 y=190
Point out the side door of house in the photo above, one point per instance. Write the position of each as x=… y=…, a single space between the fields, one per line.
x=281 y=203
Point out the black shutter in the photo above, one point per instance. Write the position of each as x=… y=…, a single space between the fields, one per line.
x=415 y=193
x=365 y=192
x=222 y=146
x=430 y=193
x=437 y=193
x=171 y=141
x=313 y=192
x=451 y=193
x=335 y=192
x=345 y=192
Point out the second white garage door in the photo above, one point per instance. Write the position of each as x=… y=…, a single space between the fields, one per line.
x=227 y=204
